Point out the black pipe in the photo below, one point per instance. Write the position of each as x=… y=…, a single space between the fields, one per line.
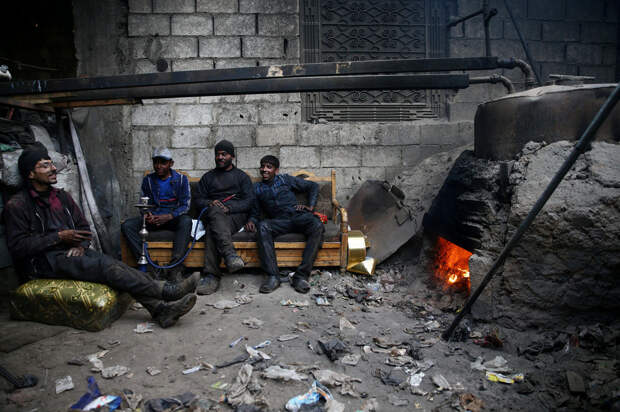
x=494 y=78
x=582 y=145
x=521 y=64
x=525 y=47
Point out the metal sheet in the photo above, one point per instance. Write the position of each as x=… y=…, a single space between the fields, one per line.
x=356 y=248
x=366 y=267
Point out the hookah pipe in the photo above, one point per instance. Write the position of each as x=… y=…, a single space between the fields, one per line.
x=145 y=258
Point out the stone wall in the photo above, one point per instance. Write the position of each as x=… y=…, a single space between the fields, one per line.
x=573 y=37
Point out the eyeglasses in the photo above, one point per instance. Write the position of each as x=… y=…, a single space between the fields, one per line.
x=44 y=165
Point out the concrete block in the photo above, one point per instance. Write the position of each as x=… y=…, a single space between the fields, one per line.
x=175 y=100
x=599 y=33
x=461 y=111
x=143 y=141
x=278 y=25
x=179 y=65
x=291 y=97
x=402 y=133
x=204 y=159
x=353 y=177
x=239 y=136
x=276 y=135
x=234 y=63
x=140 y=6
x=530 y=30
x=609 y=55
x=183 y=158
x=192 y=25
x=234 y=24
x=319 y=134
x=174 y=6
x=268 y=6
x=235 y=98
x=475 y=93
x=506 y=49
x=184 y=137
x=466 y=47
x=381 y=156
x=296 y=156
x=263 y=98
x=546 y=10
x=341 y=156
x=466 y=133
x=148 y=24
x=248 y=158
x=145 y=66
x=216 y=6
x=262 y=47
x=413 y=155
x=439 y=132
x=547 y=52
x=193 y=114
x=359 y=134
x=180 y=47
x=152 y=115
x=591 y=10
x=560 y=31
x=474 y=28
x=457 y=32
x=235 y=114
x=603 y=74
x=220 y=47
x=585 y=54
x=518 y=8
x=279 y=113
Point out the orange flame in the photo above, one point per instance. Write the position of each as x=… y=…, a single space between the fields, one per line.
x=452 y=264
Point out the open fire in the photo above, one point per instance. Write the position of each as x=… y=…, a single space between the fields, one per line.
x=452 y=265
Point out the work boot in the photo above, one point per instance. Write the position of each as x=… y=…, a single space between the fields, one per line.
x=176 y=273
x=168 y=313
x=300 y=284
x=174 y=291
x=234 y=263
x=270 y=284
x=208 y=284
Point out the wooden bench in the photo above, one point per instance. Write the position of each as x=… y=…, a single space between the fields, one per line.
x=289 y=247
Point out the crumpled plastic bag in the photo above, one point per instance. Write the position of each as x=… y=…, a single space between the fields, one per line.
x=317 y=395
x=278 y=373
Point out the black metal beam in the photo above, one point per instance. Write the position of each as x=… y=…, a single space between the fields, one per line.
x=37 y=87
x=268 y=85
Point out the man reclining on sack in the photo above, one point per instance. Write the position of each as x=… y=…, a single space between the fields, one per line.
x=48 y=237
x=275 y=196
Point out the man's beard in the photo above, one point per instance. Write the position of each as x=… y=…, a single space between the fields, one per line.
x=223 y=165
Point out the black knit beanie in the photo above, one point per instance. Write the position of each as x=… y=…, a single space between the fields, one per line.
x=226 y=146
x=29 y=158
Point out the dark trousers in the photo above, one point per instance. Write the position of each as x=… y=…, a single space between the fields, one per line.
x=218 y=240
x=99 y=268
x=180 y=225
x=302 y=222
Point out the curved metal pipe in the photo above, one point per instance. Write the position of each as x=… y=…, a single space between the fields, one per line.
x=530 y=80
x=494 y=78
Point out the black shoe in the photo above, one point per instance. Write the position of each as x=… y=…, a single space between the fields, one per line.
x=300 y=284
x=234 y=263
x=208 y=284
x=176 y=274
x=270 y=284
x=169 y=313
x=175 y=291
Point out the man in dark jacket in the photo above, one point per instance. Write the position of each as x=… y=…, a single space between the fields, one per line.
x=276 y=198
x=48 y=237
x=227 y=194
x=169 y=192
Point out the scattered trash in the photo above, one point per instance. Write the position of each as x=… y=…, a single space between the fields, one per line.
x=350 y=359
x=243 y=299
x=144 y=327
x=395 y=377
x=285 y=338
x=278 y=373
x=168 y=404
x=225 y=304
x=333 y=348
x=316 y=396
x=253 y=323
x=219 y=385
x=441 y=383
x=396 y=401
x=424 y=365
x=64 y=384
x=256 y=354
x=334 y=379
x=151 y=370
x=492 y=340
x=385 y=343
x=416 y=379
x=76 y=362
x=92 y=394
x=294 y=303
x=575 y=382
x=359 y=295
x=322 y=301
x=109 y=401
x=399 y=360
x=241 y=358
x=371 y=405
x=498 y=377
x=136 y=306
x=238 y=393
x=346 y=325
x=234 y=342
x=470 y=403
x=114 y=371
x=303 y=325
x=192 y=370
x=431 y=326
x=132 y=399
x=262 y=344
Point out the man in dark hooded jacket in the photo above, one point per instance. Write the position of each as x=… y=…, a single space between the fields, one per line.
x=48 y=237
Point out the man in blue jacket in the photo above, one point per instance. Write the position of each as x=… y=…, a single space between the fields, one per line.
x=169 y=192
x=276 y=198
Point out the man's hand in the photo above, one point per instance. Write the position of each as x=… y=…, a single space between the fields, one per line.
x=303 y=207
x=220 y=205
x=159 y=220
x=250 y=226
x=74 y=237
x=148 y=218
x=76 y=251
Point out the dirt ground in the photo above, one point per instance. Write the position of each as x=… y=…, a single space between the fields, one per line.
x=405 y=311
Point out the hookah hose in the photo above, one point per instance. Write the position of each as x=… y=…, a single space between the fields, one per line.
x=145 y=245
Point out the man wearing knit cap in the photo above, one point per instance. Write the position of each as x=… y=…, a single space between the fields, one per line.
x=48 y=237
x=227 y=194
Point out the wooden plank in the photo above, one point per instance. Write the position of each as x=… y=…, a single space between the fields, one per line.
x=249 y=245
